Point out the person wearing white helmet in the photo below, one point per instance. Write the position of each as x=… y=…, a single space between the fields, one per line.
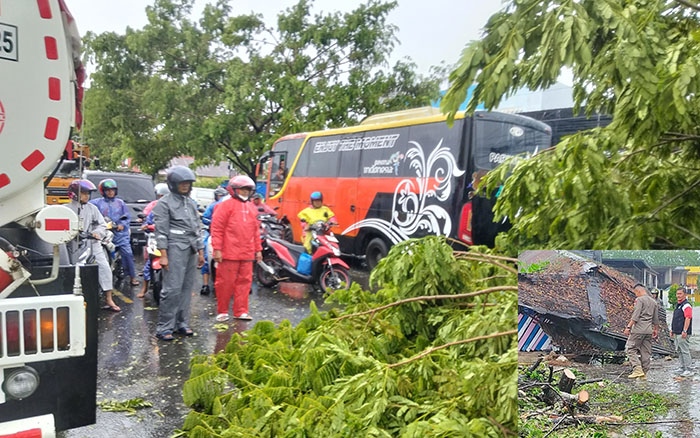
x=235 y=238
x=161 y=190
x=179 y=239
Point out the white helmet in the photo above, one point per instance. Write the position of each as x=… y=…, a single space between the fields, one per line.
x=162 y=189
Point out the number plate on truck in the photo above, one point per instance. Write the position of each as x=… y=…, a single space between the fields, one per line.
x=8 y=42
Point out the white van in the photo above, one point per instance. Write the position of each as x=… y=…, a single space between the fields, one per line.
x=202 y=196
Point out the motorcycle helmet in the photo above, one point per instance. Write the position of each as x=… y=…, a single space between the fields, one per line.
x=316 y=196
x=240 y=182
x=162 y=189
x=108 y=183
x=256 y=196
x=220 y=192
x=80 y=185
x=179 y=174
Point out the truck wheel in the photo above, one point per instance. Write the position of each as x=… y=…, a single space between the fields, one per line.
x=377 y=249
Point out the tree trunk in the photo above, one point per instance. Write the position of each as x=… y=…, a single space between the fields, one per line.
x=567 y=381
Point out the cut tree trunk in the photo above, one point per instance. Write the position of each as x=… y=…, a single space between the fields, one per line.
x=571 y=401
x=567 y=381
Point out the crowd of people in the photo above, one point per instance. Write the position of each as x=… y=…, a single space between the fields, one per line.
x=230 y=224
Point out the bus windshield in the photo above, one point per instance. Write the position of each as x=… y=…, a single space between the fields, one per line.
x=496 y=141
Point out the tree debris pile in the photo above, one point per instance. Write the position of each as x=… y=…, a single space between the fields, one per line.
x=561 y=402
x=432 y=354
x=583 y=306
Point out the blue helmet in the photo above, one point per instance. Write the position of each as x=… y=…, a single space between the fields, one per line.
x=316 y=196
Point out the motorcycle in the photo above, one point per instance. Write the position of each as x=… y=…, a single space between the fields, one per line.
x=279 y=228
x=114 y=257
x=281 y=260
x=152 y=255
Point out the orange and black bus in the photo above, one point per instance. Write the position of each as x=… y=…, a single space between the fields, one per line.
x=400 y=175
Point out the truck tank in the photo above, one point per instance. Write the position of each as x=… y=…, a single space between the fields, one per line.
x=39 y=69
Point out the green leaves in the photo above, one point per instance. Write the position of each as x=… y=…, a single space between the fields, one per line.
x=331 y=377
x=628 y=185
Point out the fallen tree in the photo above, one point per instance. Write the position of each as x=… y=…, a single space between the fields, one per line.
x=409 y=360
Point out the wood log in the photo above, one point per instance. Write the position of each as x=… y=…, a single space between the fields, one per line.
x=573 y=402
x=534 y=366
x=592 y=419
x=567 y=381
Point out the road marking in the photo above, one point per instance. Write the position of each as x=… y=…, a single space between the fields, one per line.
x=122 y=296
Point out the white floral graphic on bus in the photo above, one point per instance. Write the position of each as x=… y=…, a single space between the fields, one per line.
x=410 y=212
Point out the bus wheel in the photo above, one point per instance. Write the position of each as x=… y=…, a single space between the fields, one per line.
x=377 y=249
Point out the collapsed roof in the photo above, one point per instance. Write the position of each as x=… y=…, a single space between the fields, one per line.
x=582 y=305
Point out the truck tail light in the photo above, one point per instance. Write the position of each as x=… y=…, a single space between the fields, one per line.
x=24 y=330
x=465 y=224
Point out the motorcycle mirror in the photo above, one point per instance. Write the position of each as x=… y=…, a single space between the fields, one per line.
x=276 y=208
x=141 y=216
x=123 y=218
x=325 y=215
x=261 y=209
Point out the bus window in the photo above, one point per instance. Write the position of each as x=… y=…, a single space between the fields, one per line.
x=278 y=171
x=324 y=153
x=496 y=141
x=384 y=153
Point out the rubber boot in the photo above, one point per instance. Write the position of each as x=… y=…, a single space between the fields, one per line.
x=638 y=372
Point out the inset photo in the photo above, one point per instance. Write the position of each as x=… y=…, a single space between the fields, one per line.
x=608 y=343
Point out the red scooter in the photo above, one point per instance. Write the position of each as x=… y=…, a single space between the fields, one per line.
x=284 y=261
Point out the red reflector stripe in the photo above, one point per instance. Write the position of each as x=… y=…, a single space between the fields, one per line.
x=32 y=160
x=51 y=131
x=4 y=180
x=51 y=49
x=32 y=433
x=44 y=8
x=56 y=225
x=54 y=89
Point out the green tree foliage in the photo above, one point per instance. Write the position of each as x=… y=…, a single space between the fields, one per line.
x=672 y=297
x=432 y=354
x=658 y=258
x=226 y=86
x=633 y=184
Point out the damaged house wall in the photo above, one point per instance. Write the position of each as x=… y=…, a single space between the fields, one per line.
x=582 y=305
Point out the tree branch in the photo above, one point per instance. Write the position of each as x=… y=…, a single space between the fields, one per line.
x=493 y=262
x=685 y=230
x=670 y=201
x=431 y=298
x=688 y=4
x=441 y=347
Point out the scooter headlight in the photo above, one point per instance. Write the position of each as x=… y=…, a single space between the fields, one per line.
x=21 y=383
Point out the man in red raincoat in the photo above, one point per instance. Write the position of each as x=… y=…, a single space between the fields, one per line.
x=235 y=238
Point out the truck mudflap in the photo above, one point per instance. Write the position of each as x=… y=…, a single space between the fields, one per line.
x=42 y=426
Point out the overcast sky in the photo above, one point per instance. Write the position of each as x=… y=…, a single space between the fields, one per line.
x=430 y=31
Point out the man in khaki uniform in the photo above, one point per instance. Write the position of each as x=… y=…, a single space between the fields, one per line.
x=643 y=326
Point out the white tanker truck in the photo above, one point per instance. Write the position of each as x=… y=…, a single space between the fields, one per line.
x=48 y=309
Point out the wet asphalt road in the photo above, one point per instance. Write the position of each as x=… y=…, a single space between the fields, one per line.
x=132 y=363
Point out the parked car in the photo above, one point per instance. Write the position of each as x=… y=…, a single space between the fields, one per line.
x=202 y=196
x=137 y=190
